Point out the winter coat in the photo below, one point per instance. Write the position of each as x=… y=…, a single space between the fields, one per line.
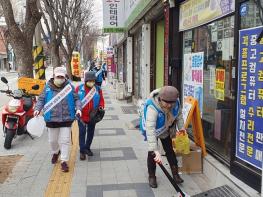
x=96 y=102
x=64 y=111
x=153 y=111
x=100 y=73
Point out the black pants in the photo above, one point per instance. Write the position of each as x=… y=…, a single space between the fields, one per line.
x=171 y=157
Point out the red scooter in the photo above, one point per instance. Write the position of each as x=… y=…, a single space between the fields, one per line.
x=17 y=113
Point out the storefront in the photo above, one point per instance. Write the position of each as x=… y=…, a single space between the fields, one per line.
x=246 y=159
x=210 y=66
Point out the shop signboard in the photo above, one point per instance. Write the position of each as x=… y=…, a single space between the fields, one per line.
x=249 y=129
x=113 y=16
x=194 y=13
x=220 y=84
x=193 y=77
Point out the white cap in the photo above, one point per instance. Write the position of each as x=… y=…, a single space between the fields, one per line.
x=60 y=71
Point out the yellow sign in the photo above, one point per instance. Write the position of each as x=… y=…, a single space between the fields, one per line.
x=193 y=115
x=27 y=83
x=194 y=13
x=220 y=84
x=75 y=64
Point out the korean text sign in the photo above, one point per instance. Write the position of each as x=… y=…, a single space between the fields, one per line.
x=113 y=16
x=193 y=76
x=249 y=129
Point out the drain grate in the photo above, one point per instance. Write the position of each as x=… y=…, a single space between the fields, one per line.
x=129 y=109
x=223 y=191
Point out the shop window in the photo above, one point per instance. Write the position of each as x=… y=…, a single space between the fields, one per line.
x=253 y=16
x=212 y=46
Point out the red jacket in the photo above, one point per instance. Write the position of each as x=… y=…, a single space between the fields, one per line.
x=90 y=106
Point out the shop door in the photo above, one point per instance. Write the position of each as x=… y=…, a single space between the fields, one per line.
x=159 y=69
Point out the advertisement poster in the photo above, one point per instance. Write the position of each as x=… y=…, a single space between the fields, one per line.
x=249 y=128
x=220 y=84
x=193 y=77
x=113 y=16
x=194 y=13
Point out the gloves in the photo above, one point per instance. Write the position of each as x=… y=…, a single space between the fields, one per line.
x=36 y=113
x=78 y=113
x=157 y=158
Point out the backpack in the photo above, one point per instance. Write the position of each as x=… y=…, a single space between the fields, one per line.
x=142 y=120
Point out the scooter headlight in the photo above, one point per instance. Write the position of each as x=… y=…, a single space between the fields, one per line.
x=13 y=105
x=12 y=108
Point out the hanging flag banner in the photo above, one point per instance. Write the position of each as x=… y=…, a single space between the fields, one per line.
x=249 y=128
x=194 y=13
x=113 y=16
x=193 y=77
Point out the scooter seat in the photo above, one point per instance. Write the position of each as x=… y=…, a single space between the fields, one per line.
x=27 y=103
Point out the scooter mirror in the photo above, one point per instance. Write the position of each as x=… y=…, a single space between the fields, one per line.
x=35 y=87
x=3 y=79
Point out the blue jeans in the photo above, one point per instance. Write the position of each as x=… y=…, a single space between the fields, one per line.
x=86 y=133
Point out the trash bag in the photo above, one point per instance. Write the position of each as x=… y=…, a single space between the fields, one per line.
x=182 y=142
x=96 y=115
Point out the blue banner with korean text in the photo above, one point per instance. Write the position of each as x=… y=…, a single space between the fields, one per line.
x=249 y=129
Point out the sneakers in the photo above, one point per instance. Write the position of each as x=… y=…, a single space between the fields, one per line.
x=89 y=152
x=82 y=156
x=55 y=158
x=64 y=167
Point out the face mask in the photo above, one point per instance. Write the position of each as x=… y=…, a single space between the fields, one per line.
x=58 y=82
x=90 y=84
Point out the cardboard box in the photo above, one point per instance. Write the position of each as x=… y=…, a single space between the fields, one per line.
x=192 y=162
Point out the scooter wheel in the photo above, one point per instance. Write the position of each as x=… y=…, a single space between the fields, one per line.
x=8 y=138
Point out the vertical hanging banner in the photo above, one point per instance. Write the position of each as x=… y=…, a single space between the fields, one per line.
x=220 y=84
x=113 y=16
x=193 y=77
x=249 y=129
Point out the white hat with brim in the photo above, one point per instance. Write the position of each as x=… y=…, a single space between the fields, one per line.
x=60 y=71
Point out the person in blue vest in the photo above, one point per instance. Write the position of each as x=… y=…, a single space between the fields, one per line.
x=100 y=73
x=104 y=67
x=60 y=104
x=162 y=112
x=91 y=98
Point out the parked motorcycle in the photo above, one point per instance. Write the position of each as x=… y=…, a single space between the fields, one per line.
x=17 y=112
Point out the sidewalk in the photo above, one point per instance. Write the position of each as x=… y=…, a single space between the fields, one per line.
x=117 y=169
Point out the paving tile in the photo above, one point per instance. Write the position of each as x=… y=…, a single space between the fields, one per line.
x=109 y=132
x=128 y=154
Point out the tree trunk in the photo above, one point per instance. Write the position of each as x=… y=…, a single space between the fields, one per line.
x=22 y=41
x=55 y=54
x=24 y=59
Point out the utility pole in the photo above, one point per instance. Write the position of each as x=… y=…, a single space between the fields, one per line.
x=38 y=51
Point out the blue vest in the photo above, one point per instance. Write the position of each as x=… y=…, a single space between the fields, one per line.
x=161 y=120
x=96 y=97
x=99 y=74
x=70 y=99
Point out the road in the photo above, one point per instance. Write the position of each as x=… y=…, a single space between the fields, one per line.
x=12 y=82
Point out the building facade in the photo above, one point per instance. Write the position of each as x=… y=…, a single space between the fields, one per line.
x=195 y=46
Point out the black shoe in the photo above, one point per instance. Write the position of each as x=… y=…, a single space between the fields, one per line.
x=89 y=152
x=152 y=181
x=82 y=156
